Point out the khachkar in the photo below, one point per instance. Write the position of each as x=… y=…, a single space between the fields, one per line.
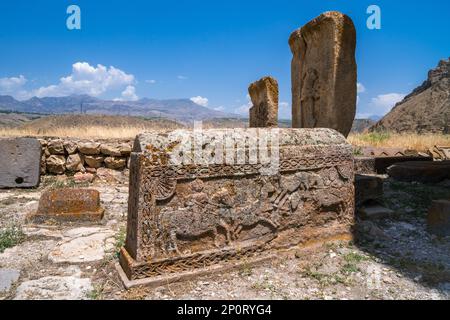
x=323 y=72
x=264 y=95
x=202 y=201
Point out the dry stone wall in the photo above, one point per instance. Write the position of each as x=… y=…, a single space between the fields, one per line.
x=70 y=155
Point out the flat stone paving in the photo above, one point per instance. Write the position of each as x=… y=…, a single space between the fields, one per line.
x=395 y=258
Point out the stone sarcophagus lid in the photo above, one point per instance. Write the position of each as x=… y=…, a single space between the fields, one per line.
x=209 y=198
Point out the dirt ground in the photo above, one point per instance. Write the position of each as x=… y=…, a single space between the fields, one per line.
x=392 y=258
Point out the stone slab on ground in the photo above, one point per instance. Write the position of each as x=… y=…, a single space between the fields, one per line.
x=383 y=163
x=439 y=218
x=69 y=205
x=54 y=288
x=86 y=246
x=420 y=171
x=7 y=278
x=20 y=162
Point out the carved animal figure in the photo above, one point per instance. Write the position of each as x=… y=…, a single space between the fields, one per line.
x=253 y=215
x=201 y=217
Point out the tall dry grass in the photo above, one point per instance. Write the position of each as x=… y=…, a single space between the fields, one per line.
x=91 y=132
x=413 y=141
x=419 y=142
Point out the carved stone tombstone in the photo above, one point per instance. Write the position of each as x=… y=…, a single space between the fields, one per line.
x=323 y=73
x=264 y=95
x=205 y=201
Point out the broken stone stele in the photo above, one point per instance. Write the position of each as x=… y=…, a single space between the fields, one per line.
x=20 y=162
x=323 y=73
x=193 y=217
x=264 y=95
x=68 y=205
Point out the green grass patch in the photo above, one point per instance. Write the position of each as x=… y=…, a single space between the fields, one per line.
x=10 y=237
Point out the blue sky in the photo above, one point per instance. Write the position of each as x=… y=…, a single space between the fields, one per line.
x=207 y=50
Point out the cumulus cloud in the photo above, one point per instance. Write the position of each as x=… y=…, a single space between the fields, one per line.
x=383 y=103
x=200 y=101
x=84 y=79
x=87 y=79
x=129 y=94
x=14 y=86
x=219 y=108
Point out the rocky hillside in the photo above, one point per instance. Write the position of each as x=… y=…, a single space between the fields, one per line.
x=426 y=109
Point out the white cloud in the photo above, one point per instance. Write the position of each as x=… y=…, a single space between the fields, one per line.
x=84 y=79
x=151 y=81
x=283 y=104
x=383 y=103
x=360 y=88
x=12 y=84
x=180 y=77
x=87 y=79
x=219 y=108
x=129 y=94
x=200 y=101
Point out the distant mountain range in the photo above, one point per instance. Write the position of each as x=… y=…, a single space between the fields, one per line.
x=183 y=110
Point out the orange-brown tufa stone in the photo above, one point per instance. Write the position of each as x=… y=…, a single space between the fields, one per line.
x=69 y=205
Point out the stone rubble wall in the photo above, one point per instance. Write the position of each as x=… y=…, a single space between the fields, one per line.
x=71 y=155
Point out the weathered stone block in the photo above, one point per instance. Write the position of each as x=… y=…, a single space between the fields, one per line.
x=56 y=164
x=94 y=161
x=365 y=165
x=19 y=162
x=89 y=148
x=367 y=187
x=264 y=95
x=324 y=73
x=383 y=163
x=115 y=163
x=110 y=150
x=68 y=205
x=420 y=171
x=55 y=146
x=189 y=212
x=439 y=218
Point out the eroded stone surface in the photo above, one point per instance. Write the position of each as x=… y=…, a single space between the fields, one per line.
x=323 y=73
x=54 y=288
x=68 y=204
x=246 y=210
x=421 y=171
x=264 y=96
x=83 y=245
x=7 y=278
x=19 y=162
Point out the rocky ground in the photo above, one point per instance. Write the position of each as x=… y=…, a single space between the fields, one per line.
x=393 y=258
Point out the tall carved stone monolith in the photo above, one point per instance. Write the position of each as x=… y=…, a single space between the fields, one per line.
x=264 y=95
x=323 y=72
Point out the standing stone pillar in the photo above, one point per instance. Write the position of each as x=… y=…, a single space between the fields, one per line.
x=323 y=72
x=264 y=95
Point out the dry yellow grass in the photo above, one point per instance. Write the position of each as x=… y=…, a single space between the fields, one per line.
x=413 y=141
x=99 y=132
